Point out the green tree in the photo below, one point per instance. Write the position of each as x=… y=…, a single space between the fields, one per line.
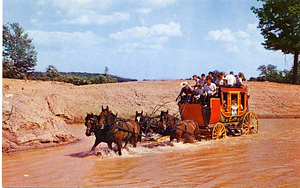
x=19 y=55
x=269 y=72
x=279 y=21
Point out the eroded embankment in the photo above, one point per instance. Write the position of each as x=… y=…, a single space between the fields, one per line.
x=35 y=113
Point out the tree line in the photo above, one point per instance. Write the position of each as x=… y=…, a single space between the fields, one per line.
x=272 y=74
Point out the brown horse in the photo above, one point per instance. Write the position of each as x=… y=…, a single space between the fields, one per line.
x=114 y=129
x=93 y=126
x=187 y=130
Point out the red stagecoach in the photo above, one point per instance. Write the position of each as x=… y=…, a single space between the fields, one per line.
x=226 y=114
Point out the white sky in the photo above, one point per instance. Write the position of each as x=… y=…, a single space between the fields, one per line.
x=145 y=39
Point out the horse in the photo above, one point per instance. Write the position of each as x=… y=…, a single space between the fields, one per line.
x=149 y=125
x=90 y=121
x=179 y=129
x=93 y=126
x=114 y=129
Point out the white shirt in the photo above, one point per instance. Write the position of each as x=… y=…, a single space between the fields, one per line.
x=221 y=82
x=210 y=88
x=230 y=79
x=234 y=110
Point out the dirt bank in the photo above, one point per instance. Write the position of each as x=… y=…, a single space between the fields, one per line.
x=35 y=113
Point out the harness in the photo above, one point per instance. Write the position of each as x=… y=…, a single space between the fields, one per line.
x=177 y=127
x=117 y=127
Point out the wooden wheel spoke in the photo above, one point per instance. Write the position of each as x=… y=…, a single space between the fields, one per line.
x=247 y=118
x=255 y=122
x=223 y=129
x=250 y=123
x=219 y=131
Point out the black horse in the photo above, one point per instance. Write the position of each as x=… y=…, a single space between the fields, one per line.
x=149 y=125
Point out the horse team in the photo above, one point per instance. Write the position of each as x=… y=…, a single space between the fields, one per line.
x=109 y=128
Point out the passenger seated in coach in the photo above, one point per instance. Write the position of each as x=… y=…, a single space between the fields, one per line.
x=187 y=90
x=234 y=107
x=224 y=106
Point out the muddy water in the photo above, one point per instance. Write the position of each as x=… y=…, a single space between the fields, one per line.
x=268 y=159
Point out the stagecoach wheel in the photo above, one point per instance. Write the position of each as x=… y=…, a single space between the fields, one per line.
x=219 y=131
x=250 y=123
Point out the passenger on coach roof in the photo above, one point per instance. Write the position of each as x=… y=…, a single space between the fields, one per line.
x=210 y=87
x=196 y=79
x=202 y=80
x=217 y=80
x=221 y=79
x=187 y=90
x=204 y=99
x=239 y=81
x=231 y=80
x=197 y=93
x=211 y=77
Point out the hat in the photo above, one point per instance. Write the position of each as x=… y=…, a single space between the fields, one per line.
x=183 y=84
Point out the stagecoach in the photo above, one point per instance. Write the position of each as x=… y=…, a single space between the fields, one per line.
x=227 y=114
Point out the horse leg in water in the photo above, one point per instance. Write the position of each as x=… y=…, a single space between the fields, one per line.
x=171 y=138
x=178 y=136
x=119 y=144
x=97 y=141
x=189 y=139
x=135 y=140
x=109 y=144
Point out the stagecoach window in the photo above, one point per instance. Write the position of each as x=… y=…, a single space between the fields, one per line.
x=224 y=101
x=225 y=97
x=242 y=100
x=234 y=99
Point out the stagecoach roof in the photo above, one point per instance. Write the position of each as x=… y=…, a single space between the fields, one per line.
x=232 y=89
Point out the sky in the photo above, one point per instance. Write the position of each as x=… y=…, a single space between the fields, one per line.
x=145 y=39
